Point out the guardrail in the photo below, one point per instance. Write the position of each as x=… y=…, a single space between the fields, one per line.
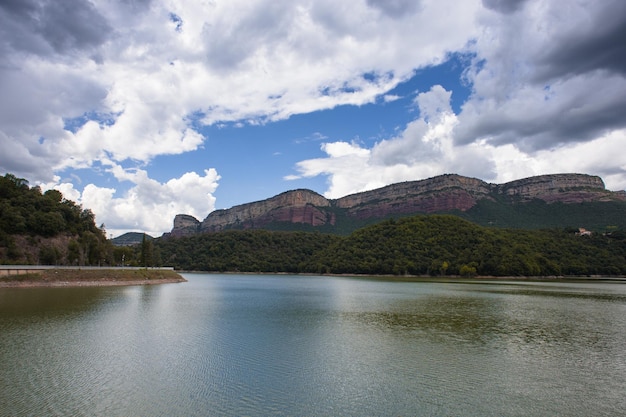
x=29 y=269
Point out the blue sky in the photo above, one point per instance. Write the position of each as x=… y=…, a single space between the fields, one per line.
x=146 y=109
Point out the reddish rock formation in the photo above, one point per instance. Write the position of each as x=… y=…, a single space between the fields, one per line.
x=566 y=188
x=443 y=193
x=438 y=194
x=298 y=206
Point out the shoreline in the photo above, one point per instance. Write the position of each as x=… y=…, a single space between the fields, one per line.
x=434 y=278
x=100 y=277
x=105 y=277
x=100 y=283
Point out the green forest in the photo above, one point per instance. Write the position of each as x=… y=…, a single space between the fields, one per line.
x=431 y=245
x=45 y=228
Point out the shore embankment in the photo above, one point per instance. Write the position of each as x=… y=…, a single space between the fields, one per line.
x=34 y=276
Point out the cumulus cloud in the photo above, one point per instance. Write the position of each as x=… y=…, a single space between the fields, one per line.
x=129 y=71
x=147 y=205
x=504 y=6
x=547 y=76
x=47 y=27
x=548 y=95
x=426 y=147
x=396 y=8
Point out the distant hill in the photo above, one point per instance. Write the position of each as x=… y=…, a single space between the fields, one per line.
x=130 y=239
x=560 y=200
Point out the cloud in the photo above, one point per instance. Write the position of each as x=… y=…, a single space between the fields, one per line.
x=426 y=147
x=396 y=8
x=504 y=6
x=547 y=76
x=148 y=205
x=127 y=71
x=51 y=27
x=589 y=40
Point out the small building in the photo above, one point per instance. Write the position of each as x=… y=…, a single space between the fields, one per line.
x=583 y=232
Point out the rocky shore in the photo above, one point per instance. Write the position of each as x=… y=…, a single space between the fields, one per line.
x=100 y=277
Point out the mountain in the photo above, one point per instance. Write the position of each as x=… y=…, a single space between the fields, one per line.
x=560 y=200
x=130 y=239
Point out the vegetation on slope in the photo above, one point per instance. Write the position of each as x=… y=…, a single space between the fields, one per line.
x=45 y=228
x=244 y=250
x=418 y=245
x=599 y=216
x=448 y=245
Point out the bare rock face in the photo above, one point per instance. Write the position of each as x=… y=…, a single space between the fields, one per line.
x=185 y=225
x=566 y=188
x=298 y=206
x=444 y=193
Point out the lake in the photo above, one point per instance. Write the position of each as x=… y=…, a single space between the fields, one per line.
x=261 y=345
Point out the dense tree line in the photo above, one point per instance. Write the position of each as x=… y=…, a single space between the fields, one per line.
x=45 y=228
x=448 y=245
x=419 y=245
x=506 y=212
x=244 y=250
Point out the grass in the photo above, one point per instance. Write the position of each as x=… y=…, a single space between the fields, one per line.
x=94 y=275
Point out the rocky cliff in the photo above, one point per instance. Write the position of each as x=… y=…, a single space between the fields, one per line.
x=567 y=188
x=298 y=206
x=445 y=193
x=185 y=225
x=437 y=194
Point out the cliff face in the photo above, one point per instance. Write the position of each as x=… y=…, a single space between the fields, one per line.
x=443 y=193
x=567 y=188
x=185 y=225
x=298 y=206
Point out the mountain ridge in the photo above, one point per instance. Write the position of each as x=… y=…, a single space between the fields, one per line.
x=440 y=194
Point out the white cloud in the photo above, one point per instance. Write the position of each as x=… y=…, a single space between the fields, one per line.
x=129 y=81
x=547 y=75
x=148 y=205
x=548 y=95
x=426 y=148
x=222 y=61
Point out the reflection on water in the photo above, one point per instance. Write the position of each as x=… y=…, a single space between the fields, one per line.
x=283 y=345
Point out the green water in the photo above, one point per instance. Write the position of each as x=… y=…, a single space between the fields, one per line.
x=226 y=345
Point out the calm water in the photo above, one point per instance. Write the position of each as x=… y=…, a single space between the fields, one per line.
x=295 y=346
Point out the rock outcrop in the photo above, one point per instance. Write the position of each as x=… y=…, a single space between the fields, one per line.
x=437 y=194
x=298 y=206
x=567 y=188
x=444 y=193
x=185 y=225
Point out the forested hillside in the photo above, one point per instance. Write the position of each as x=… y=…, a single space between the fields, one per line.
x=45 y=228
x=448 y=245
x=431 y=245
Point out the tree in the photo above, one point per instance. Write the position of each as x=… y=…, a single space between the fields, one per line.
x=146 y=252
x=467 y=271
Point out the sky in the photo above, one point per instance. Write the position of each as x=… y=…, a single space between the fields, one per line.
x=143 y=109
